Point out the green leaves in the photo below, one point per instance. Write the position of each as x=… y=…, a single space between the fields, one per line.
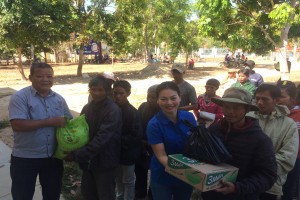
x=42 y=22
x=281 y=14
x=254 y=26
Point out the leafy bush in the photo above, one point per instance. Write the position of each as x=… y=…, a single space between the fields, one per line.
x=71 y=182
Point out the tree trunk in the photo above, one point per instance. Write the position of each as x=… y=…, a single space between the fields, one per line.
x=55 y=55
x=20 y=66
x=100 y=52
x=284 y=71
x=45 y=56
x=80 y=63
x=187 y=58
x=146 y=48
x=152 y=45
x=32 y=53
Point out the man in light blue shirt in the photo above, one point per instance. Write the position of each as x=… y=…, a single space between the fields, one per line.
x=34 y=113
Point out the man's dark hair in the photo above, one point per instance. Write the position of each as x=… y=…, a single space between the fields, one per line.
x=213 y=82
x=123 y=84
x=289 y=87
x=100 y=81
x=272 y=89
x=167 y=85
x=41 y=65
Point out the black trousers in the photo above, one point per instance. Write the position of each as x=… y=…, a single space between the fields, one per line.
x=98 y=184
x=24 y=171
x=267 y=196
x=141 y=174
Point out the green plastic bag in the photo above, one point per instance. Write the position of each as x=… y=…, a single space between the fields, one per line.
x=71 y=137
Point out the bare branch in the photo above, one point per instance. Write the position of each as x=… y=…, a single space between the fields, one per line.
x=272 y=3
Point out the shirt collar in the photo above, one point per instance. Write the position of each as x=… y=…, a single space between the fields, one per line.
x=165 y=120
x=34 y=92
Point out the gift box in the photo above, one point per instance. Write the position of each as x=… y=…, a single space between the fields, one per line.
x=200 y=175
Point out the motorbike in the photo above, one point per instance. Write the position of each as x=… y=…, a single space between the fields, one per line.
x=234 y=63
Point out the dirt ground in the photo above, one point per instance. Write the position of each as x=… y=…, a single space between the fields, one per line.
x=75 y=90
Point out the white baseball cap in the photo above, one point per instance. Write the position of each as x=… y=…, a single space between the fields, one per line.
x=109 y=75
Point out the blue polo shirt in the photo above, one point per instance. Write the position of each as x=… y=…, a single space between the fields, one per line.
x=28 y=104
x=161 y=129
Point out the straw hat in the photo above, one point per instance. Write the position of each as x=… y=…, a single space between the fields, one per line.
x=236 y=95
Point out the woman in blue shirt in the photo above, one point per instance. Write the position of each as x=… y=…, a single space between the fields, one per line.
x=167 y=134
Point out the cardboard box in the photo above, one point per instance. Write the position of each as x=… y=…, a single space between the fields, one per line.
x=200 y=175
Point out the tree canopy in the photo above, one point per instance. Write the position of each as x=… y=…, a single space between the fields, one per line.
x=139 y=27
x=39 y=23
x=249 y=24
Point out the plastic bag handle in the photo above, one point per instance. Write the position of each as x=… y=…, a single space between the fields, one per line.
x=189 y=124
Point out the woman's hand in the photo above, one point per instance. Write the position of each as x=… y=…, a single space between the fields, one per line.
x=227 y=188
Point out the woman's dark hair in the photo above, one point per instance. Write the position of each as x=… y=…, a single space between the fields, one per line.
x=123 y=84
x=272 y=89
x=244 y=71
x=289 y=87
x=100 y=81
x=167 y=85
x=41 y=65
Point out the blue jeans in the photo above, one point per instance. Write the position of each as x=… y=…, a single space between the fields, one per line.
x=24 y=171
x=163 y=192
x=291 y=187
x=125 y=181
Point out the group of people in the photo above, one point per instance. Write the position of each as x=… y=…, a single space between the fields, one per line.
x=125 y=142
x=160 y=59
x=274 y=113
x=238 y=56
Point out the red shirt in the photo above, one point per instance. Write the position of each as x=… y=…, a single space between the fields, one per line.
x=208 y=107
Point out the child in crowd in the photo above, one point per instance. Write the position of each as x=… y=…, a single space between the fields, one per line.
x=243 y=81
x=131 y=141
x=167 y=134
x=208 y=112
x=289 y=99
x=252 y=150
